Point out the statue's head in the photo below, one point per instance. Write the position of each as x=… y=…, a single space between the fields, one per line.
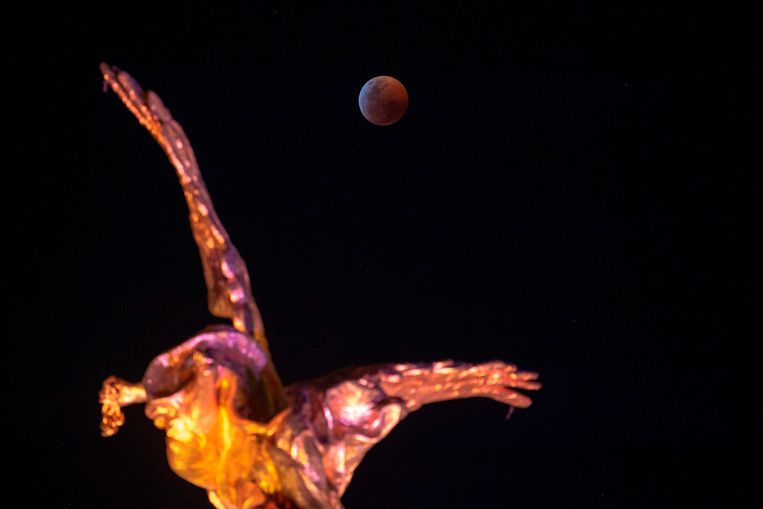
x=202 y=393
x=220 y=347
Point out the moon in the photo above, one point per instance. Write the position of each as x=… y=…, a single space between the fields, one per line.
x=383 y=100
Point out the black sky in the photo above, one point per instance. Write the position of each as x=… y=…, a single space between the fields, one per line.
x=562 y=193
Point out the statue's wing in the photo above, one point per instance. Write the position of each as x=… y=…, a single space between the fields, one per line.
x=229 y=290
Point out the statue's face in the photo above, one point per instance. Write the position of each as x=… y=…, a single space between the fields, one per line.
x=202 y=426
x=194 y=392
x=193 y=404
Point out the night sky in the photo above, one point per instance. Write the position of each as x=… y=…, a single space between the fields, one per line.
x=561 y=194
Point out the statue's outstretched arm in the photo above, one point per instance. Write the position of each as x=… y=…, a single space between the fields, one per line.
x=419 y=384
x=353 y=409
x=229 y=289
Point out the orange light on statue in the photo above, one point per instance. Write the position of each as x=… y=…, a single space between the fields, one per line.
x=231 y=426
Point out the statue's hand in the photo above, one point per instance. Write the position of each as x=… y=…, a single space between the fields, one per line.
x=419 y=384
x=116 y=393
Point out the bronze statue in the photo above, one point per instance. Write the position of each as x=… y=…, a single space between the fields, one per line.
x=232 y=428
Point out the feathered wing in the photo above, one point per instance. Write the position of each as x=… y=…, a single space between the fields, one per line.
x=229 y=290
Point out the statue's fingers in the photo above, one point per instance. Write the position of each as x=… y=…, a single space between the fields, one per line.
x=510 y=397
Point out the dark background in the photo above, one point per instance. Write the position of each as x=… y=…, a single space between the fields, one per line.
x=563 y=193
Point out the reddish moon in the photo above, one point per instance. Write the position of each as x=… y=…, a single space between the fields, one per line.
x=383 y=100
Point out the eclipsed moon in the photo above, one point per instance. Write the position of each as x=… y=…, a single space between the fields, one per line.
x=383 y=100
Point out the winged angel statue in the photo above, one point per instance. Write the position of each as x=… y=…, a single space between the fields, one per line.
x=232 y=428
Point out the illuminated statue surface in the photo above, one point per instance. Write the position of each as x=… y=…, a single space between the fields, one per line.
x=232 y=428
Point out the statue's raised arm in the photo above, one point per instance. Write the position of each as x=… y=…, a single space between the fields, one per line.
x=229 y=290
